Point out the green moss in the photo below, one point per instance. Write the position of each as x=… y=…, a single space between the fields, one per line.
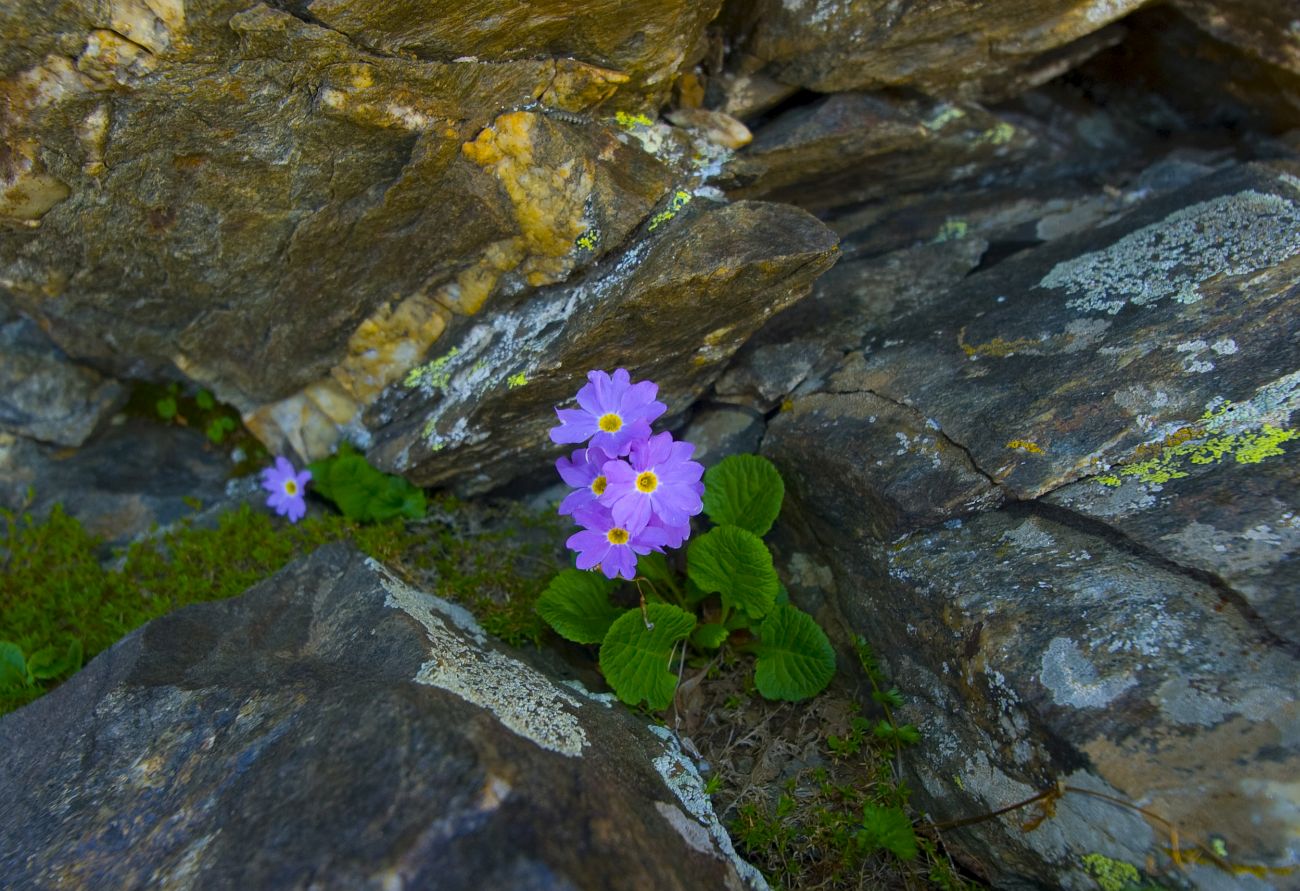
x=54 y=590
x=1111 y=875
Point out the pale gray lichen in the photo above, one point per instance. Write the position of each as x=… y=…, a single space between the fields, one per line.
x=680 y=775
x=1073 y=680
x=1231 y=235
x=522 y=699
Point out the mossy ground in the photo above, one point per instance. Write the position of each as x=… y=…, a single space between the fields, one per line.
x=54 y=587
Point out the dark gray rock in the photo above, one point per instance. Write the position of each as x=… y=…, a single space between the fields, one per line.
x=851 y=147
x=333 y=728
x=721 y=430
x=1059 y=500
x=674 y=307
x=45 y=396
x=135 y=476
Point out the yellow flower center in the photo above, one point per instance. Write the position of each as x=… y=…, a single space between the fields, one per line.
x=617 y=536
x=598 y=484
x=647 y=482
x=290 y=487
x=610 y=423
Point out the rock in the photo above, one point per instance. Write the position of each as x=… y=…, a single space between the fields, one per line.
x=1264 y=28
x=646 y=41
x=675 y=307
x=947 y=48
x=1153 y=303
x=133 y=477
x=261 y=201
x=334 y=727
x=1034 y=652
x=1058 y=500
x=46 y=397
x=718 y=430
x=853 y=147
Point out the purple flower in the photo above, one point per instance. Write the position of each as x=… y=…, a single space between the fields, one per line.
x=613 y=413
x=660 y=481
x=286 y=486
x=584 y=471
x=613 y=548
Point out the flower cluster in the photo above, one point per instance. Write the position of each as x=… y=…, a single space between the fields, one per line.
x=633 y=492
x=287 y=487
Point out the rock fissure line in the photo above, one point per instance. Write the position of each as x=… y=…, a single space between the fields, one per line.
x=1121 y=540
x=308 y=19
x=938 y=431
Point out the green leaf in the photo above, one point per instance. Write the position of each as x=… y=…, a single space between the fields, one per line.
x=891 y=698
x=13 y=667
x=795 y=660
x=636 y=660
x=888 y=829
x=744 y=491
x=576 y=604
x=710 y=636
x=47 y=662
x=654 y=566
x=205 y=400
x=736 y=564
x=166 y=408
x=216 y=431
x=903 y=734
x=364 y=493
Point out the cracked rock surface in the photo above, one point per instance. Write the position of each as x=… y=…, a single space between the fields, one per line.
x=1060 y=499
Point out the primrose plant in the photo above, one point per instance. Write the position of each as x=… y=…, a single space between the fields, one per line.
x=634 y=496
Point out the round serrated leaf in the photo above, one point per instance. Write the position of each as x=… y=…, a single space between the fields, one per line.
x=795 y=659
x=736 y=564
x=636 y=659
x=744 y=491
x=576 y=604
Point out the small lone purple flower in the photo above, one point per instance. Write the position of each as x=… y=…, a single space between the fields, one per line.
x=613 y=548
x=286 y=486
x=584 y=471
x=660 y=481
x=613 y=413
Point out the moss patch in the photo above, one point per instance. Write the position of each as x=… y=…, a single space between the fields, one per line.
x=54 y=590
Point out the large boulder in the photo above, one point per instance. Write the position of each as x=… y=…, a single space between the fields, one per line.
x=1059 y=499
x=269 y=202
x=675 y=307
x=334 y=728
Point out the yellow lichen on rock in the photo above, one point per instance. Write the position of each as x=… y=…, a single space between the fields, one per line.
x=549 y=203
x=387 y=344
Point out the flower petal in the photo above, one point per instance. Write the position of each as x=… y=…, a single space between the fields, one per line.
x=575 y=426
